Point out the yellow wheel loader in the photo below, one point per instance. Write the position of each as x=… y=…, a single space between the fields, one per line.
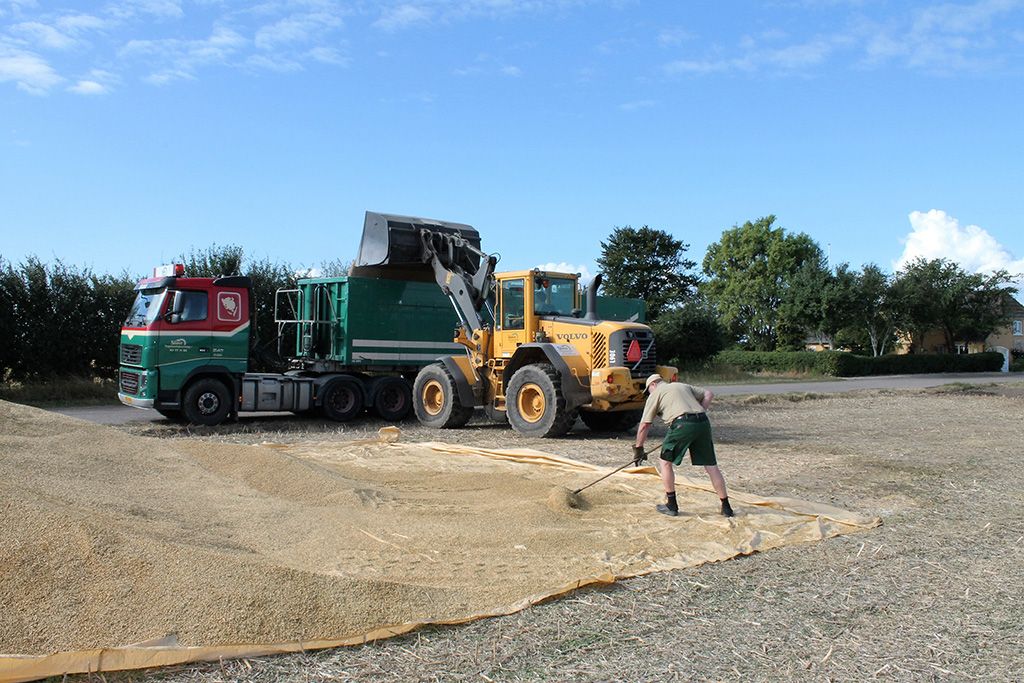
x=533 y=356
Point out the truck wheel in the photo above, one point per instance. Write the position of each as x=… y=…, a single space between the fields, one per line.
x=535 y=404
x=393 y=398
x=342 y=399
x=619 y=421
x=207 y=402
x=437 y=399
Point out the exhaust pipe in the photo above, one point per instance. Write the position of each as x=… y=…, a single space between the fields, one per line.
x=592 y=298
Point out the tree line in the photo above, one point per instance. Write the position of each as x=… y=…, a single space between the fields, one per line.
x=763 y=288
x=759 y=287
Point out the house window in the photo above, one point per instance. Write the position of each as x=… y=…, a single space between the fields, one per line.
x=1017 y=328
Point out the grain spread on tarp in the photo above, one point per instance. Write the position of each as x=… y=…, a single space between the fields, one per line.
x=196 y=550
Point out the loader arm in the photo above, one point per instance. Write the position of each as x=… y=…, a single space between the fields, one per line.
x=450 y=251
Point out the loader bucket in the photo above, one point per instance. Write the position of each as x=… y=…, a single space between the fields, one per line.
x=395 y=240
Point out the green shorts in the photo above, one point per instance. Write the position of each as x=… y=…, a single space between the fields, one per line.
x=693 y=434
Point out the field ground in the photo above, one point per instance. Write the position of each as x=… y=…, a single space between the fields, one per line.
x=936 y=593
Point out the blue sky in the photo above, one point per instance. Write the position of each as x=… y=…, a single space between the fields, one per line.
x=133 y=130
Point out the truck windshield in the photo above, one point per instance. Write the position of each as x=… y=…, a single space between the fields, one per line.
x=554 y=295
x=146 y=308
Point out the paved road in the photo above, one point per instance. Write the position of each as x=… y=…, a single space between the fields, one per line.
x=120 y=414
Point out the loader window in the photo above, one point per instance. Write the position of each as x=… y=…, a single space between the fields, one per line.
x=513 y=308
x=554 y=296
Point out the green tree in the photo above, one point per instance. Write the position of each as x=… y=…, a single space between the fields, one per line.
x=689 y=333
x=759 y=279
x=647 y=264
x=938 y=293
x=878 y=308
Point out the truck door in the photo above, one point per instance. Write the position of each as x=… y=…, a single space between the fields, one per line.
x=185 y=339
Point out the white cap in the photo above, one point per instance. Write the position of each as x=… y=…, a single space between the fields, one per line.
x=651 y=380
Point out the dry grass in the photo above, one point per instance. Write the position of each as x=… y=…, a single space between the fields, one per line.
x=937 y=593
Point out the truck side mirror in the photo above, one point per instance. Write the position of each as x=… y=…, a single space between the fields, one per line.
x=173 y=316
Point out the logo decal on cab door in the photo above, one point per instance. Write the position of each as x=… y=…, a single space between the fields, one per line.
x=229 y=307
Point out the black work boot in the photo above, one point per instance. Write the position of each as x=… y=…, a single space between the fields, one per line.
x=670 y=508
x=726 y=508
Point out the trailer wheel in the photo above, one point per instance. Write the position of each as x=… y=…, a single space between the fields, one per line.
x=207 y=402
x=618 y=421
x=535 y=404
x=342 y=399
x=393 y=398
x=437 y=399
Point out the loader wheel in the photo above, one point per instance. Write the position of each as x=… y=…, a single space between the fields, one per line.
x=342 y=399
x=393 y=398
x=619 y=421
x=436 y=399
x=207 y=402
x=535 y=404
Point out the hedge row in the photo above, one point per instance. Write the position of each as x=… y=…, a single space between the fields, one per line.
x=842 y=364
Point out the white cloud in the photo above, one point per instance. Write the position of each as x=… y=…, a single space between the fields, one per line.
x=936 y=234
x=126 y=9
x=755 y=56
x=298 y=28
x=562 y=267
x=944 y=37
x=31 y=73
x=637 y=105
x=274 y=63
x=43 y=35
x=673 y=35
x=403 y=16
x=513 y=71
x=328 y=55
x=88 y=88
x=178 y=59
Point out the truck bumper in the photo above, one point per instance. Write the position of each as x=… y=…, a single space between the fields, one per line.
x=134 y=402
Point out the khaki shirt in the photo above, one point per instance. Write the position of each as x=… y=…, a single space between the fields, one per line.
x=669 y=400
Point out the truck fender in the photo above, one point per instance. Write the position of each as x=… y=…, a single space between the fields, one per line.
x=465 y=377
x=567 y=361
x=231 y=380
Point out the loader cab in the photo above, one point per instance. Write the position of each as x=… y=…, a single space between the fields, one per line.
x=524 y=298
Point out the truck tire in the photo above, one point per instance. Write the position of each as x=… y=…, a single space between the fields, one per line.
x=535 y=404
x=207 y=402
x=392 y=398
x=436 y=399
x=342 y=399
x=619 y=421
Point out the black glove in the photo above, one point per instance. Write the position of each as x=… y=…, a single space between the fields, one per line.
x=638 y=455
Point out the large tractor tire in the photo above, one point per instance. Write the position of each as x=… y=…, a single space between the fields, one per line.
x=392 y=398
x=207 y=402
x=535 y=404
x=620 y=421
x=342 y=399
x=436 y=399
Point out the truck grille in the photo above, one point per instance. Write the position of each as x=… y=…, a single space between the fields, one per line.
x=645 y=366
x=129 y=382
x=131 y=354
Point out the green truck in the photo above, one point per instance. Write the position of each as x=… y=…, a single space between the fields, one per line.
x=359 y=343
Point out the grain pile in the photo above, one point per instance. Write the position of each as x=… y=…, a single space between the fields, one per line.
x=111 y=539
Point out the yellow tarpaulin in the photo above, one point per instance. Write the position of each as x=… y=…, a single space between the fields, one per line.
x=197 y=550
